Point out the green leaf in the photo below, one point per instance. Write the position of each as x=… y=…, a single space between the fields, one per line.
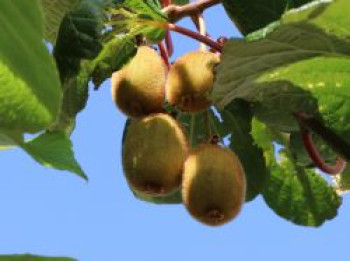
x=78 y=42
x=10 y=139
x=54 y=150
x=331 y=16
x=28 y=77
x=54 y=11
x=78 y=38
x=239 y=72
x=75 y=96
x=250 y=16
x=277 y=101
x=236 y=120
x=342 y=181
x=28 y=257
x=194 y=126
x=148 y=8
x=328 y=81
x=138 y=17
x=113 y=56
x=172 y=198
x=263 y=137
x=300 y=196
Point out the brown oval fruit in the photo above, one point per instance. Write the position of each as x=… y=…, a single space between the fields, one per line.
x=154 y=152
x=138 y=88
x=213 y=187
x=190 y=80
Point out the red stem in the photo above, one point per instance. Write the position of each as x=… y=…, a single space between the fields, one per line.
x=196 y=36
x=169 y=43
x=168 y=40
x=165 y=3
x=317 y=158
x=164 y=54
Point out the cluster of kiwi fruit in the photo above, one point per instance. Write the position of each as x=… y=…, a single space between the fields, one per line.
x=157 y=159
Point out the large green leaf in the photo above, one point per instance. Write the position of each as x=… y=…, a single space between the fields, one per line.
x=251 y=15
x=331 y=16
x=55 y=10
x=328 y=81
x=320 y=30
x=54 y=149
x=244 y=62
x=28 y=257
x=28 y=77
x=300 y=196
x=236 y=121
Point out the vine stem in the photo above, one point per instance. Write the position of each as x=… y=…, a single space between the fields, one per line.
x=303 y=120
x=314 y=154
x=169 y=43
x=164 y=54
x=175 y=12
x=196 y=36
x=168 y=40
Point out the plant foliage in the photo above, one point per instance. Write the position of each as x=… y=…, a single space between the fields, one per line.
x=294 y=57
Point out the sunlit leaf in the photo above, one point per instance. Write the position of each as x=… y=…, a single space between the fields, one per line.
x=54 y=150
x=300 y=196
x=28 y=77
x=238 y=73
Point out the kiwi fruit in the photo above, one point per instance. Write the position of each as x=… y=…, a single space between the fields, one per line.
x=138 y=89
x=190 y=80
x=154 y=151
x=213 y=186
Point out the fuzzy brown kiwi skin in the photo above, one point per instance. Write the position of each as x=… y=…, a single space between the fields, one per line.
x=138 y=89
x=213 y=186
x=159 y=155
x=190 y=81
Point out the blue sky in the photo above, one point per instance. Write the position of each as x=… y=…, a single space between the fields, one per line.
x=49 y=212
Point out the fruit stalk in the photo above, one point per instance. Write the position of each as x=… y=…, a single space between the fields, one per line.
x=164 y=54
x=202 y=29
x=168 y=40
